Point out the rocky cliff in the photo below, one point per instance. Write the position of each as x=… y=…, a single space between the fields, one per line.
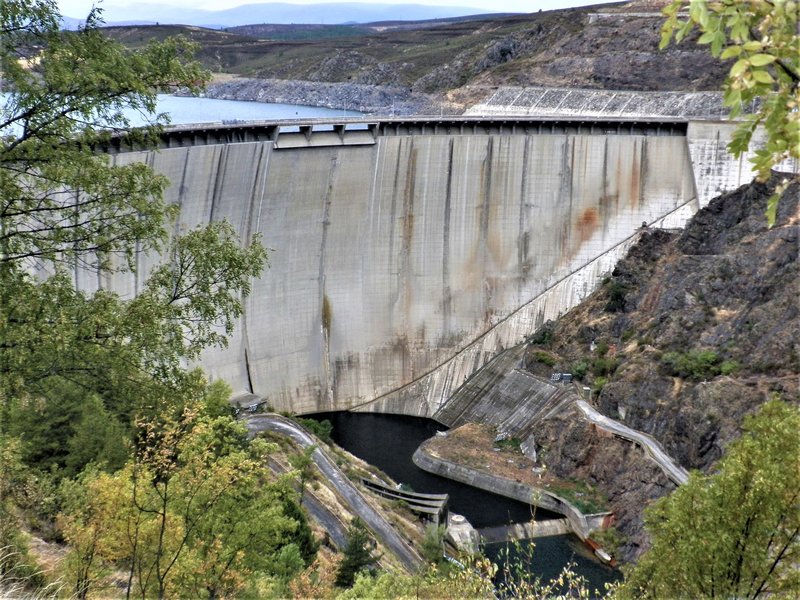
x=692 y=331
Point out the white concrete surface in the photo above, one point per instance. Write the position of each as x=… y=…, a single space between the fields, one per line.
x=431 y=252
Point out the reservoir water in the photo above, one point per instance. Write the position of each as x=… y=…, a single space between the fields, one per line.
x=389 y=441
x=183 y=110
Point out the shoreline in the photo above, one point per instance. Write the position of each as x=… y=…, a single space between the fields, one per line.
x=384 y=100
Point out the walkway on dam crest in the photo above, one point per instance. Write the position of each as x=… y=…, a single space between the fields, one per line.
x=359 y=505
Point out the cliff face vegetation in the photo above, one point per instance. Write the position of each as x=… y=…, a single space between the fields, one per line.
x=693 y=331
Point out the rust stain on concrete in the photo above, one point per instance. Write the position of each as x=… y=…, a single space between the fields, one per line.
x=587 y=224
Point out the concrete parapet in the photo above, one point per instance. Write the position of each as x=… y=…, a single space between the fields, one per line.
x=525 y=531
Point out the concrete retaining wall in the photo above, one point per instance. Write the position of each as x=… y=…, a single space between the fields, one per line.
x=401 y=266
x=503 y=487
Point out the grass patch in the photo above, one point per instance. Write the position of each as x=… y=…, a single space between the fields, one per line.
x=510 y=444
x=587 y=498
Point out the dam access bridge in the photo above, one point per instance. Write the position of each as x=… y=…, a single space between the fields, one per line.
x=406 y=253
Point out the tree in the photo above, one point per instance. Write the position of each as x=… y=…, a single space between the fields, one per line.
x=358 y=554
x=763 y=38
x=66 y=94
x=196 y=513
x=432 y=549
x=303 y=463
x=63 y=206
x=736 y=533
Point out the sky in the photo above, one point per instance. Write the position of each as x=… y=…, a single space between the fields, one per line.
x=79 y=8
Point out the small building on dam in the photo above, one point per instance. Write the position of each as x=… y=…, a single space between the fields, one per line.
x=407 y=253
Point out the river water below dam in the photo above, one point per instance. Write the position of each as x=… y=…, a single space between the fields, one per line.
x=389 y=441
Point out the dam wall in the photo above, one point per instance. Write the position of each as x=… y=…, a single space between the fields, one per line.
x=405 y=256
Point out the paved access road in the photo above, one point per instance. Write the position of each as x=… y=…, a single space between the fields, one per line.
x=359 y=505
x=671 y=469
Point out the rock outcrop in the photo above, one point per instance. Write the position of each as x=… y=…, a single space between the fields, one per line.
x=693 y=331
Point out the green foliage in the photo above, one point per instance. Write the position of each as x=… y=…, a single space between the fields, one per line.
x=16 y=565
x=587 y=498
x=598 y=384
x=728 y=367
x=97 y=438
x=75 y=363
x=616 y=297
x=736 y=533
x=696 y=365
x=358 y=554
x=195 y=513
x=476 y=580
x=544 y=357
x=580 y=368
x=303 y=537
x=543 y=337
x=513 y=444
x=303 y=463
x=610 y=539
x=432 y=548
x=604 y=366
x=321 y=429
x=48 y=127
x=171 y=489
x=762 y=38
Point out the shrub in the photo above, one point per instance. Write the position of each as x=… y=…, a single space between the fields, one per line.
x=513 y=444
x=544 y=357
x=694 y=364
x=616 y=297
x=543 y=337
x=728 y=367
x=599 y=384
x=579 y=369
x=604 y=366
x=321 y=429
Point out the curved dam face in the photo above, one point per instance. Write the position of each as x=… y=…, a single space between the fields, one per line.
x=402 y=260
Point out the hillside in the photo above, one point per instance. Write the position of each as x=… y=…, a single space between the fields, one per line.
x=615 y=49
x=693 y=331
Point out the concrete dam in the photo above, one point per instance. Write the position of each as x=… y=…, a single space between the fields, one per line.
x=405 y=254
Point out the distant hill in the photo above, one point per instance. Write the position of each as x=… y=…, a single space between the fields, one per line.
x=281 y=13
x=463 y=57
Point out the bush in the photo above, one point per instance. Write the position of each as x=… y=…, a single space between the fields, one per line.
x=616 y=297
x=358 y=554
x=513 y=444
x=610 y=539
x=728 y=367
x=322 y=429
x=543 y=337
x=599 y=384
x=544 y=357
x=604 y=366
x=432 y=549
x=696 y=365
x=580 y=368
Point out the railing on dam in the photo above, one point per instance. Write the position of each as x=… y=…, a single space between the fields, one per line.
x=346 y=132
